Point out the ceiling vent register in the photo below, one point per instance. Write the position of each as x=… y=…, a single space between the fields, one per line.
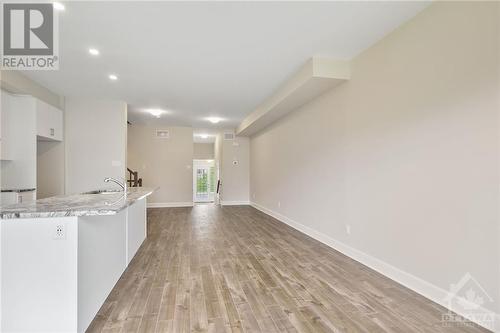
x=162 y=134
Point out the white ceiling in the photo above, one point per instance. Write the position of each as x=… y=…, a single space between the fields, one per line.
x=201 y=59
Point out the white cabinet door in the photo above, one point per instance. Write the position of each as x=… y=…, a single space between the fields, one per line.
x=5 y=137
x=42 y=119
x=19 y=132
x=57 y=124
x=8 y=198
x=49 y=122
x=136 y=227
x=23 y=197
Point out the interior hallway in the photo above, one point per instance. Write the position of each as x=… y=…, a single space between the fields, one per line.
x=213 y=269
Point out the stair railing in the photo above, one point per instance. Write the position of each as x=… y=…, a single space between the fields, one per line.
x=133 y=179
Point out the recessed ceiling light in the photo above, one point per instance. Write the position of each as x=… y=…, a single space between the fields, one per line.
x=156 y=112
x=113 y=77
x=204 y=136
x=214 y=120
x=94 y=52
x=58 y=6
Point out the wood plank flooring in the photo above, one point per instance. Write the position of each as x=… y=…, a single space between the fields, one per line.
x=235 y=269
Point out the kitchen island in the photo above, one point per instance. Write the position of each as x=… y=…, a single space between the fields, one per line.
x=61 y=257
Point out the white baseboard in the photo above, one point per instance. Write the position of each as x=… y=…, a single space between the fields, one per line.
x=418 y=285
x=235 y=203
x=169 y=204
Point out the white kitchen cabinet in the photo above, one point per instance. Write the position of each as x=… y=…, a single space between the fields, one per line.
x=75 y=272
x=18 y=142
x=15 y=197
x=5 y=137
x=136 y=228
x=49 y=120
x=28 y=196
x=8 y=198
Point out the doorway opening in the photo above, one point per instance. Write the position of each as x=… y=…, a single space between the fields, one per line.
x=204 y=181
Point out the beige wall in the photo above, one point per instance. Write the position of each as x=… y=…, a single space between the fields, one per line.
x=163 y=163
x=49 y=169
x=203 y=151
x=96 y=143
x=406 y=154
x=235 y=177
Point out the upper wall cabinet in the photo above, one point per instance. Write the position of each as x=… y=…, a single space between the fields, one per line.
x=5 y=140
x=49 y=122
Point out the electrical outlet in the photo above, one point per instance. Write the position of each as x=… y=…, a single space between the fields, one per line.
x=253 y=195
x=279 y=204
x=60 y=232
x=348 y=229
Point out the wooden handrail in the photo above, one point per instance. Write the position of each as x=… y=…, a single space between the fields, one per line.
x=133 y=179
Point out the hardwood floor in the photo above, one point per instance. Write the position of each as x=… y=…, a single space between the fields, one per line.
x=235 y=269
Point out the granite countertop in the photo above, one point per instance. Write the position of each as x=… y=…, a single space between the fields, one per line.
x=103 y=203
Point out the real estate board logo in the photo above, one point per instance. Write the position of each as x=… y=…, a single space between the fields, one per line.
x=29 y=37
x=467 y=303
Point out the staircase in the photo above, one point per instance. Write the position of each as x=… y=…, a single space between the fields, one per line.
x=133 y=179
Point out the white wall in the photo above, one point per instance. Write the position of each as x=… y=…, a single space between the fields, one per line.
x=96 y=143
x=406 y=153
x=218 y=160
x=203 y=151
x=163 y=163
x=235 y=177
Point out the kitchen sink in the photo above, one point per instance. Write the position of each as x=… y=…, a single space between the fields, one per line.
x=103 y=192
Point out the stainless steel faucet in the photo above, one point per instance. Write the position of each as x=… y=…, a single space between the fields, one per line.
x=123 y=184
